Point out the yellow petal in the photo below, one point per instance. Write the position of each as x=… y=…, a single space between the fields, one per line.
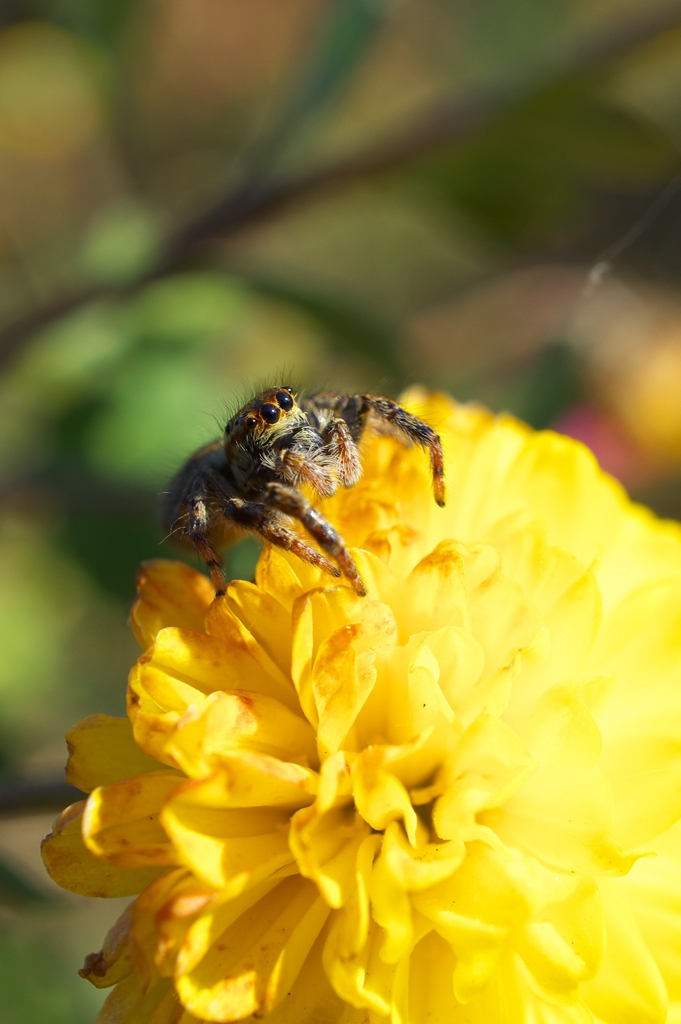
x=399 y=870
x=254 y=961
x=652 y=893
x=121 y=822
x=560 y=483
x=278 y=575
x=315 y=616
x=245 y=779
x=363 y=979
x=563 y=812
x=102 y=750
x=487 y=766
x=343 y=673
x=170 y=594
x=572 y=624
x=161 y=917
x=493 y=893
x=112 y=963
x=640 y=714
x=180 y=670
x=508 y=998
x=311 y=999
x=435 y=593
x=326 y=847
x=267 y=621
x=644 y=549
x=76 y=869
x=629 y=986
x=250 y=656
x=227 y=848
x=129 y=1004
x=226 y=721
x=380 y=796
x=565 y=944
x=431 y=994
x=407 y=699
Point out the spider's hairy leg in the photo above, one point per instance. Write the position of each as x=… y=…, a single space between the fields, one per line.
x=296 y=467
x=293 y=503
x=405 y=424
x=343 y=451
x=195 y=528
x=186 y=507
x=255 y=516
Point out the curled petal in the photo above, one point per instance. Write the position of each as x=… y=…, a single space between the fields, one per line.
x=129 y=1003
x=267 y=621
x=161 y=917
x=639 y=714
x=344 y=673
x=563 y=812
x=169 y=594
x=102 y=750
x=227 y=848
x=326 y=846
x=75 y=868
x=252 y=963
x=565 y=944
x=629 y=985
x=121 y=822
x=112 y=963
x=315 y=616
x=226 y=721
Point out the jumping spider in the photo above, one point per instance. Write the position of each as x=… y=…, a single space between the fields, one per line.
x=250 y=479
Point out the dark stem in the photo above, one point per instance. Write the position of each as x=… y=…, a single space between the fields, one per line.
x=261 y=198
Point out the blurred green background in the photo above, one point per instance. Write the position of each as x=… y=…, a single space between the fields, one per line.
x=197 y=196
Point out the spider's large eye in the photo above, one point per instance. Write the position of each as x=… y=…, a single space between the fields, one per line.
x=269 y=413
x=250 y=422
x=285 y=400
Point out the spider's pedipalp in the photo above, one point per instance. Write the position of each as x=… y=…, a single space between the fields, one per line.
x=294 y=504
x=343 y=451
x=297 y=467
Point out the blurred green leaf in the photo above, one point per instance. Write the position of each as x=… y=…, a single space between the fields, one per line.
x=535 y=168
x=16 y=891
x=342 y=42
x=499 y=34
x=36 y=989
x=100 y=21
x=346 y=327
x=121 y=243
x=186 y=309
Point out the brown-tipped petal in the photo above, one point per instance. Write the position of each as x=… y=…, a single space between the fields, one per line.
x=72 y=866
x=170 y=594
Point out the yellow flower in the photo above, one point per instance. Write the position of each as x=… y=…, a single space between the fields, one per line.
x=454 y=801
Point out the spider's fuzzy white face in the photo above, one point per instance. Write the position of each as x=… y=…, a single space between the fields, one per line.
x=271 y=423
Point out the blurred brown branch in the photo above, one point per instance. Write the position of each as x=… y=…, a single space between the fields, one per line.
x=35 y=796
x=260 y=197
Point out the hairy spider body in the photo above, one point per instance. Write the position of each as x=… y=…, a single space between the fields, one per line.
x=250 y=479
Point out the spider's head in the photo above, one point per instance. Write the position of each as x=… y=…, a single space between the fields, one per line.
x=264 y=419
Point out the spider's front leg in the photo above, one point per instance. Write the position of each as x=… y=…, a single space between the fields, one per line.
x=294 y=504
x=256 y=516
x=404 y=424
